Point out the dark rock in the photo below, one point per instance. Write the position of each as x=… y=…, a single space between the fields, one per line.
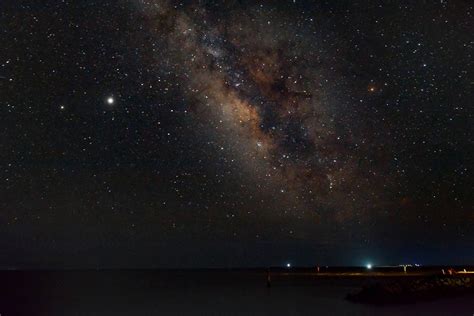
x=407 y=291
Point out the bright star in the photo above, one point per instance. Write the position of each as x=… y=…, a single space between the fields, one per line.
x=110 y=100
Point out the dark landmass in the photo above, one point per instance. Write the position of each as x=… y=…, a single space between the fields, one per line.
x=412 y=291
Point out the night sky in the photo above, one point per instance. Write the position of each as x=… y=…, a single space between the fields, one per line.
x=149 y=133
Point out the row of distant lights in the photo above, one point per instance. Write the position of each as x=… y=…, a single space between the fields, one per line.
x=368 y=266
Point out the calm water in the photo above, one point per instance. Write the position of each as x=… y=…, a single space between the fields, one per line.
x=193 y=293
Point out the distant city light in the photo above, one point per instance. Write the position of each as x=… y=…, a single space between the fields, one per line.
x=369 y=266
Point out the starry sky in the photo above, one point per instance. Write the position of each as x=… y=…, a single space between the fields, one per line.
x=158 y=133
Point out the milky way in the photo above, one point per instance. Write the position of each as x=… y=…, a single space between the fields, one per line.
x=269 y=101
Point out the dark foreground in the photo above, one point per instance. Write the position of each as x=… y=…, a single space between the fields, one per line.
x=150 y=292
